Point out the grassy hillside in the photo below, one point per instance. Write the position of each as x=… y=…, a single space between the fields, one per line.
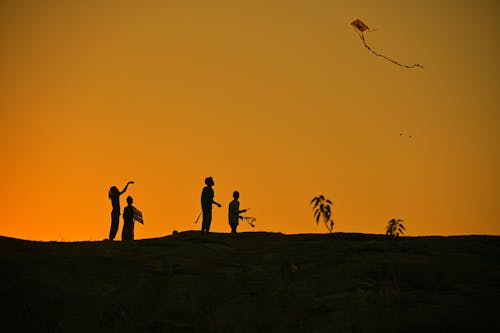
x=252 y=282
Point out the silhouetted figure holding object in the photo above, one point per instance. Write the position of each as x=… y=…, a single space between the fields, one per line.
x=114 y=196
x=207 y=200
x=130 y=215
x=234 y=212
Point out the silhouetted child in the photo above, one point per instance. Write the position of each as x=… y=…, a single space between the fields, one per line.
x=128 y=220
x=234 y=212
x=207 y=200
x=114 y=196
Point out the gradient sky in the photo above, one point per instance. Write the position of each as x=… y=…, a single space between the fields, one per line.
x=276 y=99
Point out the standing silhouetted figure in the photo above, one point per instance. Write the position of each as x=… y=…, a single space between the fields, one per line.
x=207 y=200
x=128 y=220
x=114 y=196
x=234 y=212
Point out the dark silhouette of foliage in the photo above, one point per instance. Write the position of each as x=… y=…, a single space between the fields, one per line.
x=323 y=210
x=395 y=228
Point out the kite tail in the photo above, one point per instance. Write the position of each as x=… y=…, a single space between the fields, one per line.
x=362 y=36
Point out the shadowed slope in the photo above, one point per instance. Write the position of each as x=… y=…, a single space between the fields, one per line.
x=254 y=282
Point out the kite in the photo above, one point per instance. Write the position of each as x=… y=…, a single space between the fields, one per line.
x=361 y=28
x=138 y=216
x=250 y=220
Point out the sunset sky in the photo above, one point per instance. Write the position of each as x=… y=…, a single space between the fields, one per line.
x=279 y=100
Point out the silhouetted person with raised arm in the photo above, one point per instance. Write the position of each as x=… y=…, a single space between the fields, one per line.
x=128 y=220
x=207 y=200
x=234 y=212
x=114 y=196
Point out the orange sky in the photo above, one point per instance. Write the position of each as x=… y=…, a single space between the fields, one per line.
x=276 y=99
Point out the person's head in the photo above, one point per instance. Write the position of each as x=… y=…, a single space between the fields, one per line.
x=236 y=195
x=209 y=181
x=130 y=200
x=113 y=191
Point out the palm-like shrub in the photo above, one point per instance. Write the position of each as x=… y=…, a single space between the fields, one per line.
x=395 y=227
x=323 y=210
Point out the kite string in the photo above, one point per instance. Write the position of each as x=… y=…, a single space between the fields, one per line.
x=362 y=36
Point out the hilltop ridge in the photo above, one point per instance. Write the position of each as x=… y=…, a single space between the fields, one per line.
x=252 y=282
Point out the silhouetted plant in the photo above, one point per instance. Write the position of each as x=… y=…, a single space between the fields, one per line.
x=323 y=209
x=395 y=228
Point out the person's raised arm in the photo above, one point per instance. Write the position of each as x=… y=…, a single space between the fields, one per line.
x=216 y=203
x=125 y=188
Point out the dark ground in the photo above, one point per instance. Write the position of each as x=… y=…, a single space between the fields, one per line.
x=254 y=282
